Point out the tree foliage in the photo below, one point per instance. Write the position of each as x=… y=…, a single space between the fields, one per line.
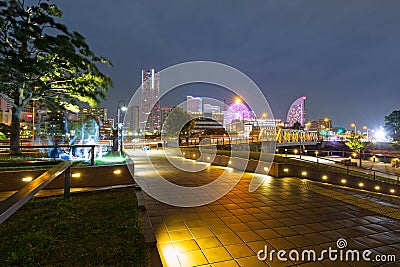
x=355 y=143
x=297 y=126
x=177 y=123
x=40 y=59
x=5 y=131
x=392 y=125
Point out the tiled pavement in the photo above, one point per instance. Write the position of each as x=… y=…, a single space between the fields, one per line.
x=284 y=213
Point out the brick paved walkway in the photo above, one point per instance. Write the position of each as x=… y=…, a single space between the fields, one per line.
x=284 y=213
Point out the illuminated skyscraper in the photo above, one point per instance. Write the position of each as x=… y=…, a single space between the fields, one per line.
x=194 y=104
x=5 y=112
x=100 y=113
x=211 y=109
x=297 y=112
x=150 y=113
x=132 y=119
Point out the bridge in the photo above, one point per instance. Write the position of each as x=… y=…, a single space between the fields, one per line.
x=289 y=137
x=282 y=137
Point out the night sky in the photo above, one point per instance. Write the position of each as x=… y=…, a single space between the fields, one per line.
x=343 y=55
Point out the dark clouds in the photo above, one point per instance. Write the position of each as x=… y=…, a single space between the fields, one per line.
x=344 y=55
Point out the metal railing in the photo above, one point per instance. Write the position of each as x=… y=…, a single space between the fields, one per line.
x=230 y=140
x=373 y=157
x=372 y=174
x=52 y=150
x=19 y=198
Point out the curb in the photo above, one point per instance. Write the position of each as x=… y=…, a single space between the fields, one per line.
x=149 y=236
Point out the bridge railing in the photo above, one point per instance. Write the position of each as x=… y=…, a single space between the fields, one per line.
x=369 y=173
x=282 y=137
x=10 y=205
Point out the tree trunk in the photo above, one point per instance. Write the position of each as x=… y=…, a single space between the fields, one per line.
x=15 y=132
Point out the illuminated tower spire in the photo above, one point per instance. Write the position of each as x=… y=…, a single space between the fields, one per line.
x=297 y=112
x=150 y=116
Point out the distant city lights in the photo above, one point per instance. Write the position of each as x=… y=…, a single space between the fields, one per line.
x=380 y=135
x=239 y=110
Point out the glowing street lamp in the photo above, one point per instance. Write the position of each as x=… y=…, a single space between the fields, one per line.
x=120 y=108
x=238 y=100
x=366 y=128
x=327 y=124
x=380 y=135
x=353 y=125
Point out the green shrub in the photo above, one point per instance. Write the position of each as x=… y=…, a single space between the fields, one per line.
x=396 y=163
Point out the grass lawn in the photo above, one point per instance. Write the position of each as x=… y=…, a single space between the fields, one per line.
x=97 y=228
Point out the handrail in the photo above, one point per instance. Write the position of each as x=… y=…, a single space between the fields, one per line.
x=335 y=161
x=19 y=198
x=56 y=146
x=359 y=172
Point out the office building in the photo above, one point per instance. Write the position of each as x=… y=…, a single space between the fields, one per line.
x=150 y=112
x=194 y=104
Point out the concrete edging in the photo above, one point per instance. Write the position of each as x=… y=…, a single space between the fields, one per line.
x=81 y=177
x=280 y=170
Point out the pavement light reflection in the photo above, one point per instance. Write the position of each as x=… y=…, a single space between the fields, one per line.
x=151 y=168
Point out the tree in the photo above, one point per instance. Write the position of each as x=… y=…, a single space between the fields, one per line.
x=40 y=59
x=355 y=144
x=5 y=131
x=392 y=125
x=177 y=123
x=297 y=126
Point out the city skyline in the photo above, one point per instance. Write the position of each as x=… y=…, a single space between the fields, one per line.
x=344 y=60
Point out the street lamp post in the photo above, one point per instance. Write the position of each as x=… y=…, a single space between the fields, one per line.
x=366 y=128
x=353 y=125
x=33 y=122
x=120 y=108
x=301 y=139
